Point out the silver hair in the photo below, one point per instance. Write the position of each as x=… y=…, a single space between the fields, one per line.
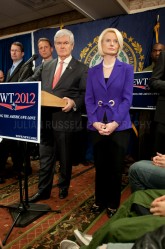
x=64 y=32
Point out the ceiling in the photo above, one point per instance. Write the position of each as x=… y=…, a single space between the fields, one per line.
x=17 y=16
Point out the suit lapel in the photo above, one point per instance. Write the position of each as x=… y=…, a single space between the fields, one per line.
x=49 y=70
x=115 y=72
x=9 y=77
x=52 y=71
x=99 y=75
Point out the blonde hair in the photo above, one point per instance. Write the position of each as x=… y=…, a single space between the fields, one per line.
x=105 y=31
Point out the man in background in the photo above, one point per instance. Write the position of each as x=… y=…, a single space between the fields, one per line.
x=2 y=76
x=45 y=50
x=146 y=117
x=157 y=84
x=16 y=148
x=156 y=50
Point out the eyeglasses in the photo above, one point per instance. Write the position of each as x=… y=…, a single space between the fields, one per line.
x=15 y=50
x=62 y=43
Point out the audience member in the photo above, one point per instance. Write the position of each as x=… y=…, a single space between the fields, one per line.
x=16 y=148
x=2 y=76
x=128 y=224
x=147 y=174
x=45 y=50
x=156 y=50
x=59 y=125
x=108 y=99
x=157 y=84
x=146 y=117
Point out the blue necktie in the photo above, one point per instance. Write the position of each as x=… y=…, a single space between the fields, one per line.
x=12 y=69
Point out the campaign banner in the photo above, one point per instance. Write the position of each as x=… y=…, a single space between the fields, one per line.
x=143 y=98
x=20 y=109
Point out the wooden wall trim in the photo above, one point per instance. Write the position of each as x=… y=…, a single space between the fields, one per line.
x=67 y=18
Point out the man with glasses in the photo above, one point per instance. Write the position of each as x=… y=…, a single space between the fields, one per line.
x=2 y=76
x=64 y=77
x=15 y=72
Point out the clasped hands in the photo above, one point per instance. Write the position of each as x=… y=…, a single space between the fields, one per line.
x=105 y=129
x=159 y=160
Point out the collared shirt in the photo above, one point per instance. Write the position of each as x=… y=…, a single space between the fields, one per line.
x=17 y=63
x=66 y=63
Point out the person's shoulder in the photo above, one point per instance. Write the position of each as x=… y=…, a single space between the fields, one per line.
x=49 y=63
x=163 y=52
x=149 y=68
x=125 y=64
x=80 y=63
x=97 y=66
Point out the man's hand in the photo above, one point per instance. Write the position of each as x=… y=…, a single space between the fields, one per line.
x=70 y=104
x=159 y=160
x=158 y=206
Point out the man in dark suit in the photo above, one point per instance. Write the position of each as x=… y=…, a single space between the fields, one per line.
x=2 y=76
x=157 y=84
x=59 y=125
x=18 y=72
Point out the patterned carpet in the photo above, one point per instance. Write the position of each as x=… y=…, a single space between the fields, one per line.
x=48 y=230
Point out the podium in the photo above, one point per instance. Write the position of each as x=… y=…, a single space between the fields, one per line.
x=48 y=99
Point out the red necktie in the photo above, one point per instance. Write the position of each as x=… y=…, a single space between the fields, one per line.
x=57 y=75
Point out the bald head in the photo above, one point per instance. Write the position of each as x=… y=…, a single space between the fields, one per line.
x=2 y=77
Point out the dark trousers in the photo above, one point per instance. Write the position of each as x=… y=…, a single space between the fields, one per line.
x=17 y=150
x=62 y=147
x=109 y=152
x=54 y=145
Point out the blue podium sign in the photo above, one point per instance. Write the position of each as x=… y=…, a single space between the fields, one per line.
x=20 y=111
x=143 y=98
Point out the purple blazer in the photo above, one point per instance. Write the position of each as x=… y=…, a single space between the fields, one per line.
x=113 y=98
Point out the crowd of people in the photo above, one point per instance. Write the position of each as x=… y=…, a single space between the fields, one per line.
x=105 y=91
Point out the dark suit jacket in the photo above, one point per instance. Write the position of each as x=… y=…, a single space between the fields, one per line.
x=157 y=84
x=20 y=73
x=72 y=84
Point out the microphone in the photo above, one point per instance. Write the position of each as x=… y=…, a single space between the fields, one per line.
x=34 y=57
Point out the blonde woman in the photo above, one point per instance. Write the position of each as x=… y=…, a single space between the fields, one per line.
x=108 y=99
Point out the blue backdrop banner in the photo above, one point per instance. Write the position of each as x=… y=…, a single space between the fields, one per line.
x=143 y=98
x=138 y=33
x=20 y=111
x=139 y=37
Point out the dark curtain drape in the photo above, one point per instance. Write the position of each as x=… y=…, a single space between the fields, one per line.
x=5 y=44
